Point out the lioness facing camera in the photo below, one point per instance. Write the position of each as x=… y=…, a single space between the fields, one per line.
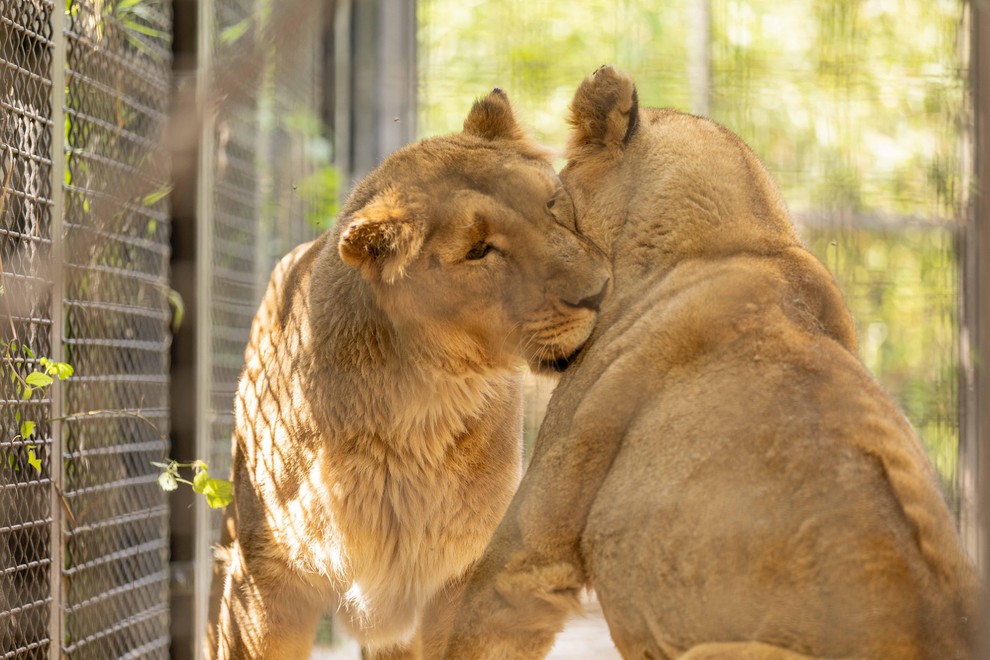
x=717 y=463
x=378 y=417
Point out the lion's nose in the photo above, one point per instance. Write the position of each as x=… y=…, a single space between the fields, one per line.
x=592 y=302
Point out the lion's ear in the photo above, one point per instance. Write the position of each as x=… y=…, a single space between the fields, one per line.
x=382 y=238
x=605 y=110
x=491 y=118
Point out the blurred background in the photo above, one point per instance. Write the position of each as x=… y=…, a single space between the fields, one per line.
x=157 y=157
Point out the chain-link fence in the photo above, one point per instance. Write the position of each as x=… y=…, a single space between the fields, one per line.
x=264 y=184
x=86 y=288
x=261 y=204
x=26 y=517
x=84 y=235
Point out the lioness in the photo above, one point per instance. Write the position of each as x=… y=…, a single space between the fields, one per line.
x=717 y=463
x=378 y=417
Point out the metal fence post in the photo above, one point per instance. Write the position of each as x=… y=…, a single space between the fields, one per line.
x=56 y=464
x=204 y=300
x=977 y=280
x=375 y=82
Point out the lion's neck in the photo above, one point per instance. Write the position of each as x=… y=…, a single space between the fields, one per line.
x=701 y=303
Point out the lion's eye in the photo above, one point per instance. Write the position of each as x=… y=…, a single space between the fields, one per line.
x=551 y=203
x=479 y=251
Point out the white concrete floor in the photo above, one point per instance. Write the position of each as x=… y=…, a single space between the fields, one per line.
x=584 y=638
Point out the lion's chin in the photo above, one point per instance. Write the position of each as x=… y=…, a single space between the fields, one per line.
x=557 y=365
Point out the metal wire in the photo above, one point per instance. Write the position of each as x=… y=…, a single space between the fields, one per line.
x=235 y=216
x=113 y=548
x=87 y=264
x=116 y=332
x=25 y=248
x=257 y=213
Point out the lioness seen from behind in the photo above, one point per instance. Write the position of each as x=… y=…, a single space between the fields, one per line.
x=717 y=462
x=378 y=417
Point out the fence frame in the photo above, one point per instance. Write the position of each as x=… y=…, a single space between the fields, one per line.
x=56 y=464
x=976 y=277
x=204 y=277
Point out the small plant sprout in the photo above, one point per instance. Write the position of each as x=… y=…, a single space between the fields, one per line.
x=26 y=386
x=218 y=492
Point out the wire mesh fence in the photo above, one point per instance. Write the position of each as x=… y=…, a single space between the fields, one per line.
x=261 y=205
x=236 y=228
x=26 y=524
x=116 y=335
x=85 y=230
x=84 y=243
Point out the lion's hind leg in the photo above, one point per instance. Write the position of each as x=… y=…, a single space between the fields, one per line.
x=743 y=651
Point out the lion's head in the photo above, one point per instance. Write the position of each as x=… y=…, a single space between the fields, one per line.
x=654 y=187
x=470 y=239
x=707 y=193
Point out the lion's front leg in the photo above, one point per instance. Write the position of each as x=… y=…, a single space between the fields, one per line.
x=517 y=602
x=263 y=611
x=525 y=585
x=410 y=651
x=523 y=588
x=529 y=579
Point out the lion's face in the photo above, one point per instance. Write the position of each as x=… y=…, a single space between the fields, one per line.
x=473 y=244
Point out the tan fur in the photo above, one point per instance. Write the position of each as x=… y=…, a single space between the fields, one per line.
x=717 y=463
x=378 y=417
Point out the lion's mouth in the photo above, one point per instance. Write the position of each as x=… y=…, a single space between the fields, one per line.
x=558 y=365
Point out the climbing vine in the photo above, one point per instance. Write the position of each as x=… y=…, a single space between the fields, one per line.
x=218 y=492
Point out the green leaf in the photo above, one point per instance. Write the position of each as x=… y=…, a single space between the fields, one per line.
x=201 y=482
x=33 y=460
x=199 y=465
x=140 y=28
x=27 y=430
x=38 y=379
x=219 y=493
x=231 y=34
x=154 y=197
x=167 y=481
x=26 y=393
x=62 y=370
x=178 y=307
x=27 y=351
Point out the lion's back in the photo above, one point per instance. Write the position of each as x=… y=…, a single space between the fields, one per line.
x=758 y=491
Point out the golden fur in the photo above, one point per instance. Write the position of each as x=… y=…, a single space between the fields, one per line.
x=717 y=463
x=378 y=417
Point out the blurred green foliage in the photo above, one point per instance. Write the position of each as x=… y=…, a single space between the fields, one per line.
x=856 y=106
